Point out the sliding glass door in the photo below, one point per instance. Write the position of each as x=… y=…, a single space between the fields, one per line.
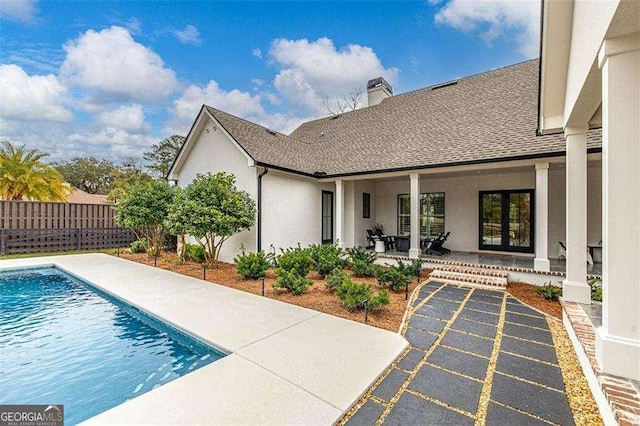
x=506 y=220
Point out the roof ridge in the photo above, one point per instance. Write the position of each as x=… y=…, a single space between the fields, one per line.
x=269 y=130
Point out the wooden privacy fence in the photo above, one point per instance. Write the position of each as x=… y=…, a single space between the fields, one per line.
x=30 y=227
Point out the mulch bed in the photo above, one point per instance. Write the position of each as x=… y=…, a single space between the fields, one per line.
x=317 y=297
x=526 y=294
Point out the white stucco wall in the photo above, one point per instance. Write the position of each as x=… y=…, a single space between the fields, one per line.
x=291 y=210
x=461 y=203
x=362 y=224
x=214 y=152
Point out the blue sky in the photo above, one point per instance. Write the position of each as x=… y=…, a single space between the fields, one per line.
x=109 y=78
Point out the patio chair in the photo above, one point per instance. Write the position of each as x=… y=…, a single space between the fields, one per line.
x=371 y=239
x=428 y=245
x=562 y=250
x=437 y=245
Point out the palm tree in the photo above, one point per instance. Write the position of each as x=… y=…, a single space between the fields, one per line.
x=23 y=176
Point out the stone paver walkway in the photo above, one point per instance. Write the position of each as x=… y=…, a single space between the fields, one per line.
x=476 y=357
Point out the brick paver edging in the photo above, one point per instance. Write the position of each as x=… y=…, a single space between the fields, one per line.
x=621 y=394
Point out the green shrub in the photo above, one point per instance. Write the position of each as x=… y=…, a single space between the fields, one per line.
x=139 y=246
x=354 y=295
x=297 y=260
x=410 y=269
x=362 y=262
x=253 y=265
x=361 y=268
x=194 y=252
x=291 y=281
x=549 y=291
x=596 y=290
x=360 y=254
x=336 y=278
x=393 y=277
x=327 y=257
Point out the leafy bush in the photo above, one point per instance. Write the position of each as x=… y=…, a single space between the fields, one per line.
x=360 y=254
x=354 y=295
x=336 y=278
x=194 y=252
x=297 y=260
x=410 y=269
x=362 y=262
x=253 y=265
x=549 y=291
x=290 y=280
x=596 y=290
x=139 y=246
x=327 y=257
x=394 y=277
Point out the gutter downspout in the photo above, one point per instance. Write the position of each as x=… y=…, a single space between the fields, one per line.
x=260 y=176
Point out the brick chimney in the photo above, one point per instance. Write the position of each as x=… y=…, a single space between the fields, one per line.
x=377 y=90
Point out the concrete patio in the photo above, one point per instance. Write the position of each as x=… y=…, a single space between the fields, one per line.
x=281 y=366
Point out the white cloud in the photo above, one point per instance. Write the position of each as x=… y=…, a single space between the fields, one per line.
x=314 y=70
x=31 y=98
x=112 y=62
x=110 y=142
x=189 y=35
x=23 y=11
x=493 y=19
x=236 y=102
x=128 y=118
x=257 y=53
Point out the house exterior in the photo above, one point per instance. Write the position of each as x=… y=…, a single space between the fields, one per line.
x=590 y=78
x=462 y=157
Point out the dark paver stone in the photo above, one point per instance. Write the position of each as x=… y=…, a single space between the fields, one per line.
x=413 y=410
x=484 y=307
x=475 y=327
x=492 y=293
x=448 y=295
x=526 y=320
x=433 y=312
x=530 y=349
x=447 y=387
x=479 y=316
x=537 y=372
x=367 y=414
x=523 y=332
x=547 y=404
x=420 y=339
x=411 y=359
x=459 y=362
x=486 y=298
x=390 y=385
x=476 y=345
x=427 y=324
x=443 y=304
x=499 y=415
x=515 y=306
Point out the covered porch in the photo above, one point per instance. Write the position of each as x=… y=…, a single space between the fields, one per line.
x=510 y=214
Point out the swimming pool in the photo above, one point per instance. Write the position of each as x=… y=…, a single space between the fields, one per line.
x=65 y=342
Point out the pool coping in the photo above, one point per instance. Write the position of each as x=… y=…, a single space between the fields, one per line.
x=284 y=365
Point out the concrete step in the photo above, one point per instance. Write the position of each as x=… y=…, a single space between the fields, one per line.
x=468 y=279
x=475 y=271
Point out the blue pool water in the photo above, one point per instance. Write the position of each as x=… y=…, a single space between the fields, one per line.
x=62 y=342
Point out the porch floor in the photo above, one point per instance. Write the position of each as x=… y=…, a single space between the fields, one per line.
x=515 y=262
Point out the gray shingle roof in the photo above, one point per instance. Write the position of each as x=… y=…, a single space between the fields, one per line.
x=481 y=118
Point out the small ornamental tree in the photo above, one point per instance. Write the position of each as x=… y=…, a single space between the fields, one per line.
x=144 y=210
x=211 y=209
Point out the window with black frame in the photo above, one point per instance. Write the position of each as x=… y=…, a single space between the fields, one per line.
x=432 y=221
x=366 y=205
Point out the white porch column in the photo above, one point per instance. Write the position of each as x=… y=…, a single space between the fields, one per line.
x=340 y=212
x=414 y=248
x=618 y=340
x=541 y=262
x=575 y=288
